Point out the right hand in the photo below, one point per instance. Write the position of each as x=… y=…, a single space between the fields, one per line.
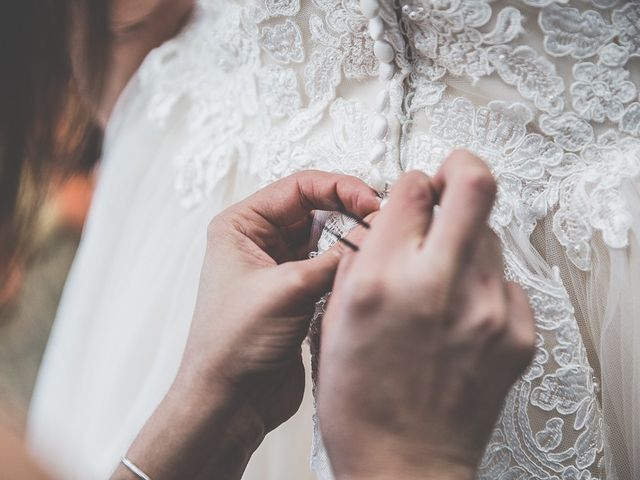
x=422 y=338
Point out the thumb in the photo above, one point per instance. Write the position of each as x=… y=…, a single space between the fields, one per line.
x=308 y=280
x=314 y=277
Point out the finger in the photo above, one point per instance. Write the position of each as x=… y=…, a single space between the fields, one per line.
x=405 y=217
x=480 y=289
x=348 y=256
x=522 y=334
x=288 y=201
x=488 y=254
x=315 y=276
x=347 y=259
x=466 y=190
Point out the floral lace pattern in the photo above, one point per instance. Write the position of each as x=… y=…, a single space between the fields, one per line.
x=600 y=90
x=558 y=382
x=277 y=86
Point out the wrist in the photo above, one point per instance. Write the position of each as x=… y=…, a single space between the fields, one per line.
x=220 y=411
x=197 y=429
x=431 y=468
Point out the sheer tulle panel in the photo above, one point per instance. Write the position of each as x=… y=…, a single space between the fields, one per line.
x=607 y=307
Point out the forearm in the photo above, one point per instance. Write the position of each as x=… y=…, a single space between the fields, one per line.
x=195 y=433
x=136 y=29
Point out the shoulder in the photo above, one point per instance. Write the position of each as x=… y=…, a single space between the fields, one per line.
x=130 y=19
x=136 y=29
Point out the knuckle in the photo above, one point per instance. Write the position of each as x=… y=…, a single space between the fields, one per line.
x=297 y=281
x=416 y=177
x=225 y=222
x=465 y=158
x=524 y=345
x=417 y=187
x=493 y=322
x=437 y=294
x=479 y=181
x=215 y=227
x=420 y=194
x=366 y=293
x=304 y=177
x=302 y=181
x=493 y=325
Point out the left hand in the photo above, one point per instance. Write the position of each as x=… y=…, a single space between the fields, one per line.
x=258 y=291
x=242 y=374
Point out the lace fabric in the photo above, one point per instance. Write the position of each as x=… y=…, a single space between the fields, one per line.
x=545 y=91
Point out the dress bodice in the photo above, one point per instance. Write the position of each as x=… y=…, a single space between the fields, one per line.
x=545 y=91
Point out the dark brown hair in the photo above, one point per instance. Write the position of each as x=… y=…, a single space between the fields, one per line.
x=53 y=53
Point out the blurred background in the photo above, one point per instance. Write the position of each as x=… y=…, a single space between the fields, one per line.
x=28 y=305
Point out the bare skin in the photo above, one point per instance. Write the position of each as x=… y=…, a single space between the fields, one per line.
x=420 y=319
x=242 y=373
x=15 y=462
x=137 y=28
x=422 y=338
x=421 y=292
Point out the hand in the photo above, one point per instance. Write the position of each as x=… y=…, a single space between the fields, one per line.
x=258 y=291
x=242 y=373
x=422 y=338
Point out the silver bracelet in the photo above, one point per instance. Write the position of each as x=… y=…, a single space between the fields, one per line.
x=134 y=469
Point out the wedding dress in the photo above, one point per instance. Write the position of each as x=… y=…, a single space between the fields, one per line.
x=545 y=91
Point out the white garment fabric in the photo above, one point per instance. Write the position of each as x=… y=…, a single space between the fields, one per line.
x=126 y=310
x=545 y=91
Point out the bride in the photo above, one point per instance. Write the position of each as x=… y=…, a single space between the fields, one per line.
x=248 y=91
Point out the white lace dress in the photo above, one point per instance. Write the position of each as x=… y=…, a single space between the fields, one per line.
x=545 y=91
